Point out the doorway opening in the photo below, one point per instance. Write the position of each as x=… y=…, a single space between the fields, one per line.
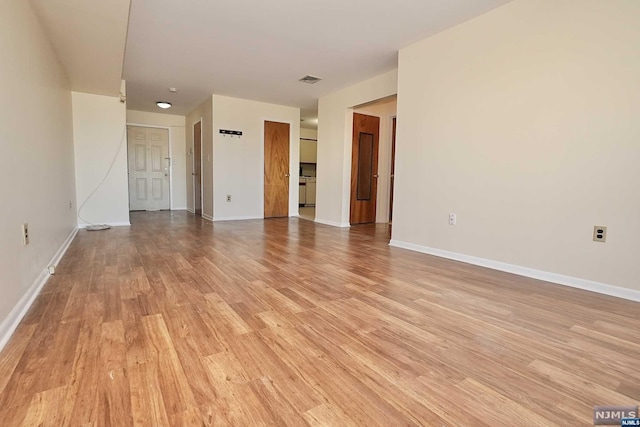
x=393 y=169
x=307 y=175
x=372 y=152
x=149 y=167
x=197 y=168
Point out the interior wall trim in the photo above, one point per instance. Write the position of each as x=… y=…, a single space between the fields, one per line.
x=574 y=282
x=235 y=218
x=9 y=325
x=332 y=223
x=112 y=224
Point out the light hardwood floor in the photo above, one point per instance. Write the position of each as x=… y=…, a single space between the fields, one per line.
x=176 y=321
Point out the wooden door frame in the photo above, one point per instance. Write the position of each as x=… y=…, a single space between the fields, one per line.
x=168 y=129
x=392 y=166
x=193 y=167
x=291 y=156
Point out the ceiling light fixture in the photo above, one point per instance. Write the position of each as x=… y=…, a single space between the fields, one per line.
x=163 y=104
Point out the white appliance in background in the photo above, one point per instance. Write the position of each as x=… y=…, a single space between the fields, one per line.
x=310 y=199
x=302 y=192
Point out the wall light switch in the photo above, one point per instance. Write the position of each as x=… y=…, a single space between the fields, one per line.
x=452 y=219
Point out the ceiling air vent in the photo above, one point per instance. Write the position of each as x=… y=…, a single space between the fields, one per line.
x=310 y=79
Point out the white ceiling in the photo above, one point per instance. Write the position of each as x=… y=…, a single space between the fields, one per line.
x=258 y=49
x=251 y=49
x=89 y=38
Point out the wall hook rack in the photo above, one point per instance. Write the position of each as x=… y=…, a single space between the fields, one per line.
x=232 y=133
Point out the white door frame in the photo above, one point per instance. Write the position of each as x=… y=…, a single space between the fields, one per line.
x=168 y=129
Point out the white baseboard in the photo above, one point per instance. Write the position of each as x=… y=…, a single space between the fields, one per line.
x=332 y=223
x=207 y=217
x=191 y=210
x=560 y=279
x=236 y=218
x=112 y=224
x=9 y=325
x=63 y=249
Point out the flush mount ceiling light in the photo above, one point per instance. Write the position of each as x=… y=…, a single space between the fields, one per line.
x=163 y=104
x=310 y=79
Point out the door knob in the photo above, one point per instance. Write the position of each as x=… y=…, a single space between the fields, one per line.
x=375 y=176
x=286 y=174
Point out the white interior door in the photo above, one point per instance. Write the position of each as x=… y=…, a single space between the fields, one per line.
x=149 y=170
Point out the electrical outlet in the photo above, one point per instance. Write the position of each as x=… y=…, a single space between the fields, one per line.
x=228 y=197
x=599 y=233
x=452 y=219
x=70 y=205
x=25 y=234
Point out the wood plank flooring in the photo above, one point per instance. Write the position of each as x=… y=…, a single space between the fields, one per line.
x=176 y=321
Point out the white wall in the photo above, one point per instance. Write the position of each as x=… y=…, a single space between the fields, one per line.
x=386 y=110
x=36 y=166
x=308 y=133
x=178 y=150
x=526 y=123
x=335 y=127
x=238 y=165
x=99 y=132
x=203 y=112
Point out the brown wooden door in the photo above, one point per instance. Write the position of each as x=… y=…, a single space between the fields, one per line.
x=393 y=169
x=364 y=168
x=197 y=168
x=276 y=169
